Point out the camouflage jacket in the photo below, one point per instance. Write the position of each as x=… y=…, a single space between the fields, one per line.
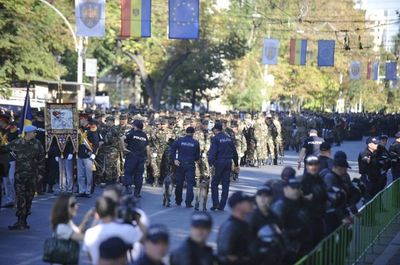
x=111 y=138
x=29 y=157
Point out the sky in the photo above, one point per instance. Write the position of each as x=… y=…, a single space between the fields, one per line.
x=391 y=6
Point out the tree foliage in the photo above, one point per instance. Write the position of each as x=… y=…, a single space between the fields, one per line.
x=32 y=40
x=35 y=44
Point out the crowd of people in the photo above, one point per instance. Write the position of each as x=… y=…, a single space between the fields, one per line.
x=284 y=220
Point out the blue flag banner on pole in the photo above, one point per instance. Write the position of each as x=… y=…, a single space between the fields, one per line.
x=375 y=70
x=26 y=115
x=326 y=53
x=90 y=18
x=183 y=19
x=355 y=70
x=391 y=71
x=270 y=51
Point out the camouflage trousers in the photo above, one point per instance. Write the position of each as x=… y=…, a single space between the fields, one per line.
x=251 y=150
x=156 y=167
x=271 y=153
x=111 y=167
x=261 y=151
x=24 y=191
x=280 y=146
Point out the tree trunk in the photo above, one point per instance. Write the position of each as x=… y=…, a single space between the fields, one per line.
x=155 y=89
x=193 y=99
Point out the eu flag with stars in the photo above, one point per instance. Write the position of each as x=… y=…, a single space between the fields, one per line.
x=326 y=53
x=183 y=19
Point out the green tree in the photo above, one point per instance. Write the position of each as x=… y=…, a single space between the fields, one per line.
x=32 y=40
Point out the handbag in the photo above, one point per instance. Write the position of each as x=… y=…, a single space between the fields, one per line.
x=61 y=251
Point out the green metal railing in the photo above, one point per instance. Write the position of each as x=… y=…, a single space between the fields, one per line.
x=349 y=243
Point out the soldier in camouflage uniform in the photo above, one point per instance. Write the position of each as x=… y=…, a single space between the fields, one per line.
x=158 y=144
x=261 y=132
x=201 y=164
x=29 y=168
x=123 y=128
x=301 y=125
x=239 y=141
x=111 y=164
x=287 y=131
x=271 y=141
x=279 y=139
x=251 y=142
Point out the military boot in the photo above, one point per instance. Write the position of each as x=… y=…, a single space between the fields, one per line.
x=19 y=225
x=24 y=222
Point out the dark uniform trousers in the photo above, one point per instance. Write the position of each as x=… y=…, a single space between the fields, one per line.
x=186 y=171
x=222 y=175
x=134 y=169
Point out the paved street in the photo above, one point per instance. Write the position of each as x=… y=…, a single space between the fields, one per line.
x=20 y=248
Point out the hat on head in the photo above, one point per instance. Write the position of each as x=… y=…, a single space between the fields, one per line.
x=293 y=183
x=157 y=233
x=312 y=160
x=288 y=173
x=340 y=154
x=123 y=117
x=264 y=190
x=138 y=124
x=325 y=146
x=269 y=115
x=218 y=126
x=238 y=197
x=372 y=140
x=397 y=135
x=4 y=118
x=110 y=118
x=341 y=162
x=113 y=248
x=383 y=137
x=190 y=129
x=83 y=116
x=201 y=219
x=30 y=128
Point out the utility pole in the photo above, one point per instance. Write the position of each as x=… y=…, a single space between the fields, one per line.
x=80 y=51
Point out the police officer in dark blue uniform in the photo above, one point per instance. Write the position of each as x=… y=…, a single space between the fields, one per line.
x=138 y=149
x=188 y=152
x=220 y=156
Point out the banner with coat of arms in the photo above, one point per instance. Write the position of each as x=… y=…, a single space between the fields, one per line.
x=61 y=123
x=355 y=70
x=270 y=51
x=90 y=18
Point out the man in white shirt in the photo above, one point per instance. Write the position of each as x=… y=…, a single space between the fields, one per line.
x=106 y=211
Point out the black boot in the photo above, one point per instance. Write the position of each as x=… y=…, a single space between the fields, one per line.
x=24 y=222
x=16 y=226
x=50 y=189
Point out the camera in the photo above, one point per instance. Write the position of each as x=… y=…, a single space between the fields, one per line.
x=128 y=212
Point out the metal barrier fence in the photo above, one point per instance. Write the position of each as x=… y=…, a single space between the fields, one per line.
x=348 y=244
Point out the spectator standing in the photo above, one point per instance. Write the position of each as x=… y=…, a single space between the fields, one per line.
x=234 y=234
x=64 y=210
x=194 y=249
x=156 y=246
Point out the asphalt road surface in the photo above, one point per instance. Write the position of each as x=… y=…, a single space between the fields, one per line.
x=25 y=247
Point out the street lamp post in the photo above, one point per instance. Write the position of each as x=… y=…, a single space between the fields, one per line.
x=80 y=51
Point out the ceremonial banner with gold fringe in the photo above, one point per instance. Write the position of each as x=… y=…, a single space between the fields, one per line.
x=61 y=123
